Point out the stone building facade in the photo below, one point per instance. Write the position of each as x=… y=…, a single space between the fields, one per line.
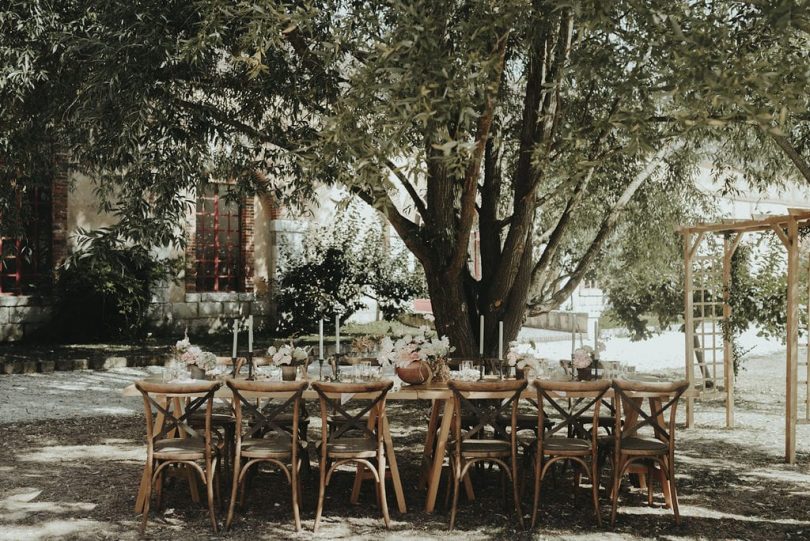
x=230 y=259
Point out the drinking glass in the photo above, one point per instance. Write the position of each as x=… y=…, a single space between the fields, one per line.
x=467 y=369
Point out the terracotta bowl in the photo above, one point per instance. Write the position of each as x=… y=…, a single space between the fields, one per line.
x=415 y=373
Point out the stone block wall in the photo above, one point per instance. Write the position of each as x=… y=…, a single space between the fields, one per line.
x=207 y=312
x=21 y=315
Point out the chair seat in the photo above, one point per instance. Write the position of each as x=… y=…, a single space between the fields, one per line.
x=266 y=448
x=352 y=448
x=570 y=445
x=644 y=446
x=605 y=421
x=217 y=419
x=485 y=448
x=180 y=449
x=525 y=421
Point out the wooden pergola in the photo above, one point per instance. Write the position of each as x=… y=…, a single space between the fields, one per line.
x=701 y=328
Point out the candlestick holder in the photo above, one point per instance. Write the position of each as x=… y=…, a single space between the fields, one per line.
x=480 y=367
x=234 y=363
x=251 y=367
x=500 y=369
x=320 y=369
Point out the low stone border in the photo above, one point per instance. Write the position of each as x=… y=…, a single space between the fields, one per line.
x=26 y=366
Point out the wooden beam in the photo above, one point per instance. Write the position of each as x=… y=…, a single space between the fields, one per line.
x=694 y=248
x=781 y=234
x=763 y=224
x=792 y=363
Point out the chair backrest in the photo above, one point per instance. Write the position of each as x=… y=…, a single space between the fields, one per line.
x=166 y=401
x=485 y=401
x=261 y=402
x=571 y=400
x=630 y=395
x=334 y=396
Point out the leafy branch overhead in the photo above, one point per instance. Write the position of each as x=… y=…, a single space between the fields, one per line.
x=546 y=127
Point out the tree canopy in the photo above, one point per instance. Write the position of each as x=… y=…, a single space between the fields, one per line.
x=543 y=125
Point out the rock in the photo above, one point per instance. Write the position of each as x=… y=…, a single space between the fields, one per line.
x=29 y=367
x=46 y=367
x=64 y=365
x=79 y=364
x=114 y=362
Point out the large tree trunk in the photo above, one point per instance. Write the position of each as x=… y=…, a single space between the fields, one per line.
x=453 y=312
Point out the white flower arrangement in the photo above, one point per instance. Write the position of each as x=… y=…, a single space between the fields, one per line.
x=194 y=355
x=410 y=348
x=287 y=354
x=583 y=357
x=521 y=356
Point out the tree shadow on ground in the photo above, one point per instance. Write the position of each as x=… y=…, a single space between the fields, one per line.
x=78 y=478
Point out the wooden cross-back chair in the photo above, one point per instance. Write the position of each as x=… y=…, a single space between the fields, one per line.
x=570 y=400
x=267 y=437
x=631 y=448
x=485 y=402
x=342 y=445
x=171 y=440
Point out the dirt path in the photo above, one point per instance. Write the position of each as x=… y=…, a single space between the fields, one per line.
x=73 y=456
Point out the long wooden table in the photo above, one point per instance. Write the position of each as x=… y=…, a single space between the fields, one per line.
x=439 y=394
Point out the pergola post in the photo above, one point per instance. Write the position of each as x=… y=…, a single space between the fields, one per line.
x=688 y=322
x=729 y=247
x=792 y=376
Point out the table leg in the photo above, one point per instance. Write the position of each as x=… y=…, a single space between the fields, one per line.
x=430 y=438
x=438 y=456
x=392 y=466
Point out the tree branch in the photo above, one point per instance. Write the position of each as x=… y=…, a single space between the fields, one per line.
x=406 y=229
x=420 y=205
x=788 y=148
x=470 y=189
x=608 y=224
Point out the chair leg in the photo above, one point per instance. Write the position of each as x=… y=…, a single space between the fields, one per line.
x=516 y=493
x=209 y=482
x=358 y=483
x=670 y=472
x=234 y=489
x=617 y=477
x=295 y=494
x=538 y=479
x=381 y=484
x=321 y=493
x=456 y=487
x=159 y=491
x=595 y=492
x=147 y=499
x=650 y=473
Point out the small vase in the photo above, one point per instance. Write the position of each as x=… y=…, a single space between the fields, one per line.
x=196 y=372
x=288 y=372
x=585 y=374
x=415 y=373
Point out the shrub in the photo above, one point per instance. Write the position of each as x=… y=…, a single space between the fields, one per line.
x=337 y=266
x=104 y=288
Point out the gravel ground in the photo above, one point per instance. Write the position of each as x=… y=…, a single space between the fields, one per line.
x=74 y=455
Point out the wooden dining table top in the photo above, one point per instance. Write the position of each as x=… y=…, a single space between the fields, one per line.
x=428 y=391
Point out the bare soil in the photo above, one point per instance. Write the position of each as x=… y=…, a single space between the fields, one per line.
x=73 y=450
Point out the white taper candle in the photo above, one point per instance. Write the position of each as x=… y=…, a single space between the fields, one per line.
x=235 y=336
x=337 y=334
x=250 y=334
x=481 y=337
x=500 y=340
x=320 y=342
